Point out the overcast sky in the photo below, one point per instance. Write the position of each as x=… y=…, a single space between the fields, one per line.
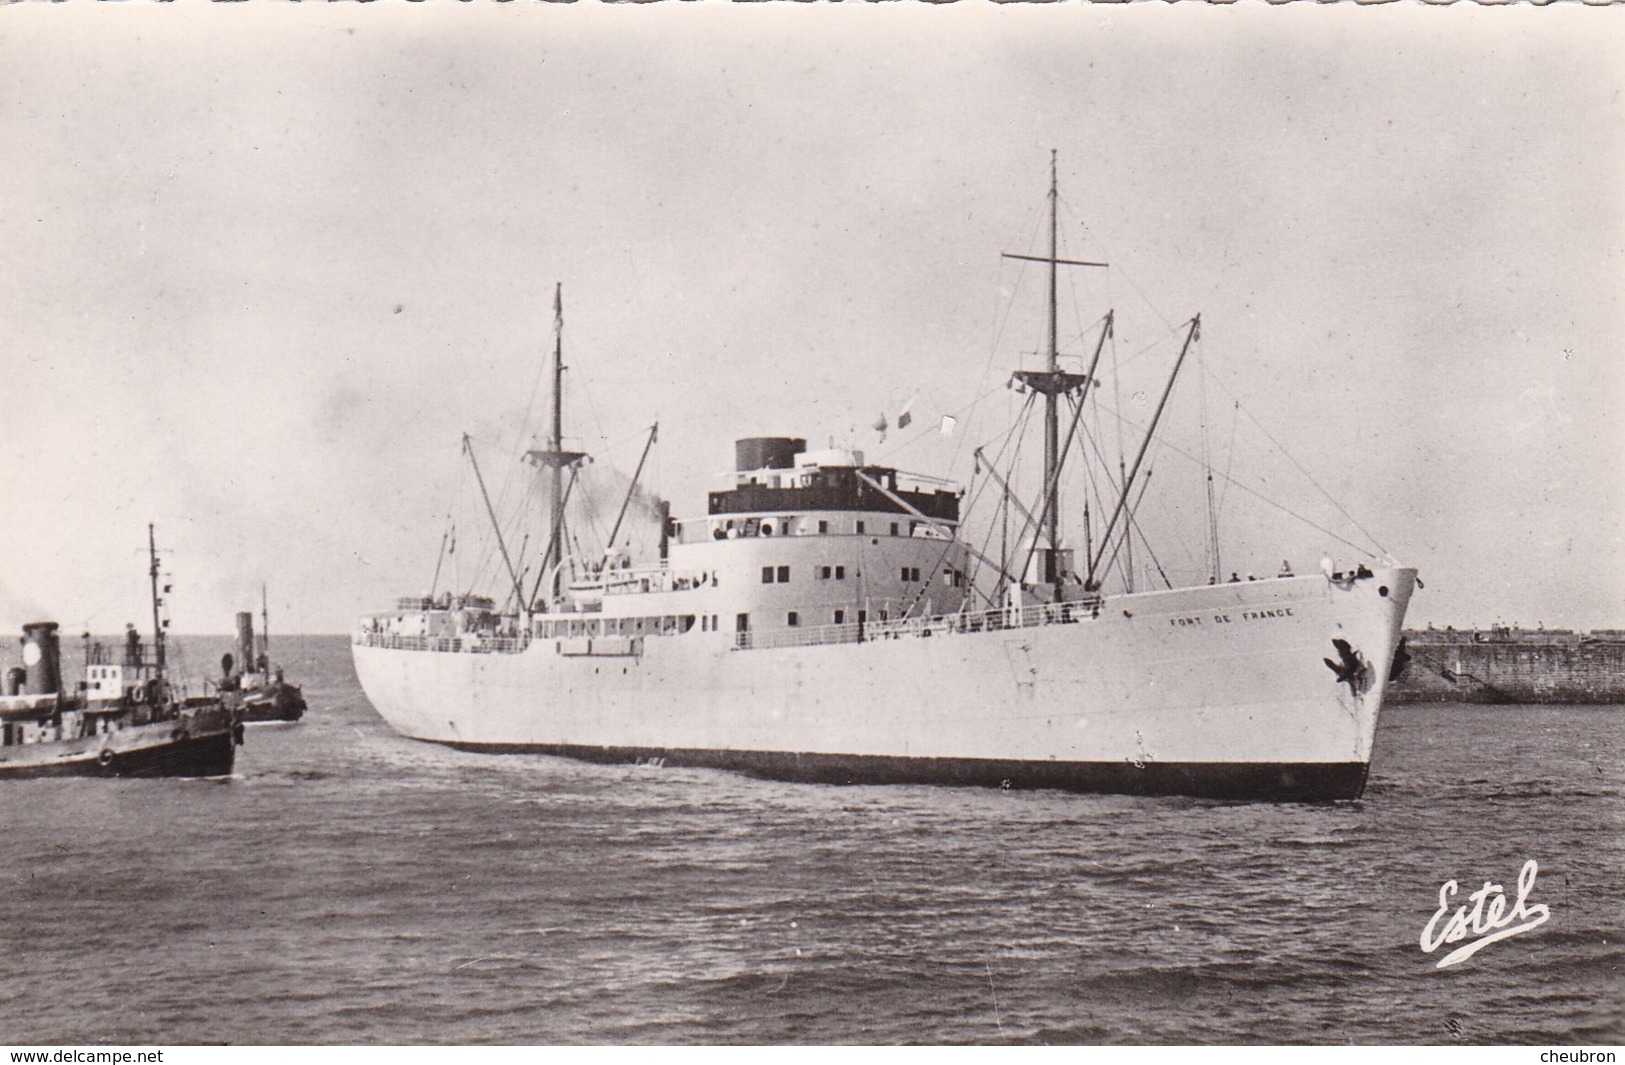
x=262 y=266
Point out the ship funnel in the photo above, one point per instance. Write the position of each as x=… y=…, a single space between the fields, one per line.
x=245 y=639
x=663 y=510
x=767 y=452
x=42 y=654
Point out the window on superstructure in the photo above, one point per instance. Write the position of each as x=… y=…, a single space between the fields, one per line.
x=840 y=573
x=840 y=617
x=824 y=573
x=792 y=619
x=860 y=528
x=894 y=528
x=767 y=574
x=784 y=574
x=823 y=527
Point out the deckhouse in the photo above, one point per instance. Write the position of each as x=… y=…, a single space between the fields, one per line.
x=818 y=539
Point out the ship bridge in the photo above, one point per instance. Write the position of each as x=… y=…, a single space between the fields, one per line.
x=778 y=483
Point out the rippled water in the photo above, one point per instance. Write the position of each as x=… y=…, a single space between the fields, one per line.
x=352 y=886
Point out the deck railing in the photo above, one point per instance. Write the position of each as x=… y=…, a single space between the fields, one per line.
x=915 y=628
x=470 y=643
x=802 y=636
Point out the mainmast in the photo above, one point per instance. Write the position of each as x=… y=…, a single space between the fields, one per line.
x=1053 y=383
x=1052 y=425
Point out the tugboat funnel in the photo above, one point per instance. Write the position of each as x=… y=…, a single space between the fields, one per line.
x=245 y=640
x=42 y=655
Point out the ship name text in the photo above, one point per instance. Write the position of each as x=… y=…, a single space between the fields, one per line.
x=1225 y=619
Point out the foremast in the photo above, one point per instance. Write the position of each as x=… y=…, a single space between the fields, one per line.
x=554 y=458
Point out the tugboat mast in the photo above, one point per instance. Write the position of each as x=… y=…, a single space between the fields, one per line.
x=157 y=625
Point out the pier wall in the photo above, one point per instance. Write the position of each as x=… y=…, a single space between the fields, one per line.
x=1513 y=666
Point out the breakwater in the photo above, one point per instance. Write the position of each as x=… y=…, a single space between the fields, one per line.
x=1511 y=665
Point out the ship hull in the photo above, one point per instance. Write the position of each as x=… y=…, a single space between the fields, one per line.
x=1258 y=782
x=144 y=751
x=1216 y=692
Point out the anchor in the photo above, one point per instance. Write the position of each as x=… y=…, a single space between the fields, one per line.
x=1351 y=670
x=1402 y=658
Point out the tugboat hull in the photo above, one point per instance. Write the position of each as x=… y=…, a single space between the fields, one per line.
x=204 y=750
x=284 y=706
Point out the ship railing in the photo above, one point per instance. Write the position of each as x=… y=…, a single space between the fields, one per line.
x=1036 y=615
x=1033 y=616
x=801 y=636
x=640 y=580
x=468 y=643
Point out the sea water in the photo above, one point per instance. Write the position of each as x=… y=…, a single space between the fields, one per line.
x=348 y=885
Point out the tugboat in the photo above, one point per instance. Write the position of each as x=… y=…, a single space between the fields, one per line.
x=252 y=683
x=126 y=719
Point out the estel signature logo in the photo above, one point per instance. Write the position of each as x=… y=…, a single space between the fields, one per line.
x=1488 y=917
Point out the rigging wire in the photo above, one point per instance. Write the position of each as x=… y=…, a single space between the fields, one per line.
x=1106 y=249
x=1267 y=500
x=1230 y=455
x=1207 y=464
x=1330 y=498
x=1016 y=433
x=1145 y=541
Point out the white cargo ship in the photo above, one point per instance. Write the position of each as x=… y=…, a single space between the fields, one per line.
x=826 y=621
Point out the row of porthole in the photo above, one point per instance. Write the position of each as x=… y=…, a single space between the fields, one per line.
x=768 y=528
